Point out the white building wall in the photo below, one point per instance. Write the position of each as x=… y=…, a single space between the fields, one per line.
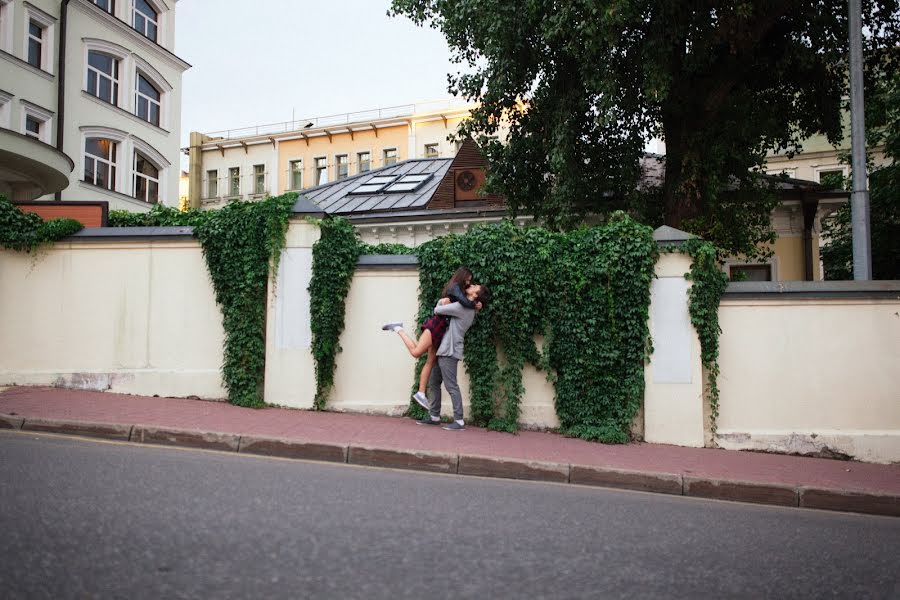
x=87 y=116
x=244 y=158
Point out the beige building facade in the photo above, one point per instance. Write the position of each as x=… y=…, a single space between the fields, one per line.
x=98 y=82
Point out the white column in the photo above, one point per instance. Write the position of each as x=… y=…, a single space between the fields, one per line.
x=674 y=406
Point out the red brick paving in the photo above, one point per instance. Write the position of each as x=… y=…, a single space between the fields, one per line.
x=404 y=434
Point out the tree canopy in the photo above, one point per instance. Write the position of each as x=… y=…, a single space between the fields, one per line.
x=584 y=84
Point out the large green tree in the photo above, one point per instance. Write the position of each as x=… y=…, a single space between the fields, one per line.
x=583 y=84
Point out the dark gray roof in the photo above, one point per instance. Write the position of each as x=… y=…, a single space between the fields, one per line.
x=336 y=197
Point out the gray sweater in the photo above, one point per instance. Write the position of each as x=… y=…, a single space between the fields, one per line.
x=462 y=319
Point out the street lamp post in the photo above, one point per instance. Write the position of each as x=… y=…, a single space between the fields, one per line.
x=859 y=198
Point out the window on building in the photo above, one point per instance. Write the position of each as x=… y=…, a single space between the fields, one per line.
x=107 y=5
x=259 y=179
x=147 y=100
x=750 y=272
x=103 y=77
x=212 y=183
x=833 y=178
x=321 y=171
x=431 y=150
x=144 y=19
x=33 y=127
x=341 y=166
x=364 y=160
x=234 y=181
x=6 y=7
x=35 y=44
x=390 y=156
x=146 y=179
x=296 y=174
x=100 y=162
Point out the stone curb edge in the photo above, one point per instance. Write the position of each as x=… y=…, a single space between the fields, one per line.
x=473 y=465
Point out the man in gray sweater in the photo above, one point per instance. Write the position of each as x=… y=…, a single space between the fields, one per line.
x=449 y=353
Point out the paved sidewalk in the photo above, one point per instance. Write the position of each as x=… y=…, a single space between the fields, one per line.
x=401 y=443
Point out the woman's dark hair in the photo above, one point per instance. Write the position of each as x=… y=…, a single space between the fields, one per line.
x=462 y=278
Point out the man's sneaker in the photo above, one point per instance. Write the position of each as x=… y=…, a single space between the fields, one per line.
x=454 y=426
x=392 y=326
x=428 y=421
x=422 y=400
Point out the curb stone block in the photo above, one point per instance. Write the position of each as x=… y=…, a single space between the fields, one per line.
x=485 y=466
x=11 y=421
x=109 y=431
x=143 y=434
x=660 y=483
x=860 y=502
x=741 y=491
x=436 y=462
x=293 y=449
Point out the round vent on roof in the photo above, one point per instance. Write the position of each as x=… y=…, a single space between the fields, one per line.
x=466 y=181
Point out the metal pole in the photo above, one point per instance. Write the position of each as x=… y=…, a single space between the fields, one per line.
x=859 y=199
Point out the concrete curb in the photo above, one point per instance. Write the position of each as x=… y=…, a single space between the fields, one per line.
x=482 y=466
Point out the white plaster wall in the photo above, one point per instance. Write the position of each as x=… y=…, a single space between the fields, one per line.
x=85 y=111
x=133 y=317
x=811 y=376
x=257 y=154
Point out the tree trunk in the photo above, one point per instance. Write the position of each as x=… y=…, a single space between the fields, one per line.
x=673 y=206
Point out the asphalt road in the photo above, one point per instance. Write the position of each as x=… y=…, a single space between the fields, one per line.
x=86 y=519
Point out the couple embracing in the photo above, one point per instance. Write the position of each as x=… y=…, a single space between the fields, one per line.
x=443 y=338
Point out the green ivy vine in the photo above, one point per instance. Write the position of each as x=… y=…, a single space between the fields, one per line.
x=587 y=292
x=26 y=232
x=334 y=260
x=708 y=285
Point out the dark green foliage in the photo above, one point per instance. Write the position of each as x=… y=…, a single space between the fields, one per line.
x=159 y=216
x=386 y=248
x=708 y=285
x=583 y=85
x=334 y=261
x=242 y=244
x=26 y=232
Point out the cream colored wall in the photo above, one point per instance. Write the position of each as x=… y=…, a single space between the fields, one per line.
x=395 y=136
x=375 y=372
x=803 y=374
x=134 y=317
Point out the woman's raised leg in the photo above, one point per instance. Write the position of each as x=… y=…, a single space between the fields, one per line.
x=416 y=347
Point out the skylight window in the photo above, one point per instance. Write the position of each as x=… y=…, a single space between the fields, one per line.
x=408 y=183
x=375 y=185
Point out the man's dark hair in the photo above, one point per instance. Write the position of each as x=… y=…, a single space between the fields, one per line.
x=484 y=296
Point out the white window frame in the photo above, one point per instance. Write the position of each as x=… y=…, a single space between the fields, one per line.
x=112 y=163
x=115 y=82
x=126 y=70
x=206 y=182
x=265 y=180
x=165 y=88
x=384 y=157
x=229 y=178
x=112 y=7
x=139 y=95
x=369 y=152
x=5 y=109
x=156 y=22
x=44 y=116
x=6 y=25
x=135 y=175
x=437 y=150
x=316 y=171
x=845 y=169
x=337 y=172
x=47 y=30
x=290 y=174
x=772 y=262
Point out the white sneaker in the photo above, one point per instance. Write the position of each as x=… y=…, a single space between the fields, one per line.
x=422 y=400
x=392 y=326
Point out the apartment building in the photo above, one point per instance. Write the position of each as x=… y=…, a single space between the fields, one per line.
x=96 y=87
x=263 y=160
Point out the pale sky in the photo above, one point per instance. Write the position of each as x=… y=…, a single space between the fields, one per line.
x=256 y=62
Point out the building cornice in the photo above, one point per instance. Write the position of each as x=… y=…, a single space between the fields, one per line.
x=26 y=65
x=101 y=16
x=121 y=111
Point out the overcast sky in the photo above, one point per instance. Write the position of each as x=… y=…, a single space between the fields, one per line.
x=256 y=62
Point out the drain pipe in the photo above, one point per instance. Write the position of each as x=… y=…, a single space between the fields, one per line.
x=61 y=84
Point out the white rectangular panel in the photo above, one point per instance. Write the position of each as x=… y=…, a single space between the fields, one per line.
x=292 y=318
x=670 y=328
